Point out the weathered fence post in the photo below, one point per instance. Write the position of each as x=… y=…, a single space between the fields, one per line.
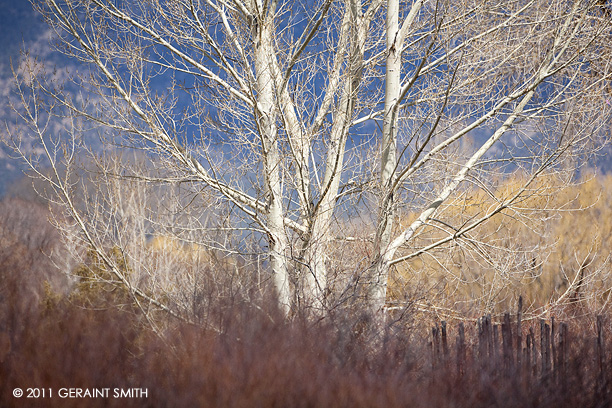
x=435 y=331
x=444 y=343
x=494 y=344
x=461 y=349
x=519 y=335
x=534 y=353
x=553 y=348
x=528 y=355
x=545 y=347
x=601 y=353
x=507 y=344
x=562 y=353
x=482 y=344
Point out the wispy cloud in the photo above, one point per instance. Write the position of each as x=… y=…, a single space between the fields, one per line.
x=35 y=57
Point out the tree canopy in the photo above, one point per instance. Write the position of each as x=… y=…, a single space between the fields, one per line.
x=297 y=137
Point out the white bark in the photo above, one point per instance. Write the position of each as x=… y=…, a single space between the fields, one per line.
x=355 y=25
x=266 y=116
x=378 y=286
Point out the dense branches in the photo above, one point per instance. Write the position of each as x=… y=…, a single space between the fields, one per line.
x=272 y=128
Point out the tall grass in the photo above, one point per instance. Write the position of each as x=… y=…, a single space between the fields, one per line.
x=259 y=360
x=252 y=357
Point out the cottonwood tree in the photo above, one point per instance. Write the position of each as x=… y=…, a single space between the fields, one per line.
x=294 y=119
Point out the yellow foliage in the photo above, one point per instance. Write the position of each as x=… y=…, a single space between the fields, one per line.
x=534 y=248
x=190 y=253
x=186 y=252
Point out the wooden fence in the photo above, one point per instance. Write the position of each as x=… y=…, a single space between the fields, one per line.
x=545 y=351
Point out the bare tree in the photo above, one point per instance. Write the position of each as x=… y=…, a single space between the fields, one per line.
x=550 y=45
x=292 y=120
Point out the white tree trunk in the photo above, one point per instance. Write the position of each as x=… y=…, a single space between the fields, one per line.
x=266 y=114
x=377 y=290
x=355 y=26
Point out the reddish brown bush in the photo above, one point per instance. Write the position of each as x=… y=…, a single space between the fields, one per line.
x=247 y=357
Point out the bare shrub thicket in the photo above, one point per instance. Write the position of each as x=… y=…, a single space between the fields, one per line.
x=31 y=253
x=254 y=360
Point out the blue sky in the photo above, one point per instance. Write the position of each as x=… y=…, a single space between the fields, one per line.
x=19 y=24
